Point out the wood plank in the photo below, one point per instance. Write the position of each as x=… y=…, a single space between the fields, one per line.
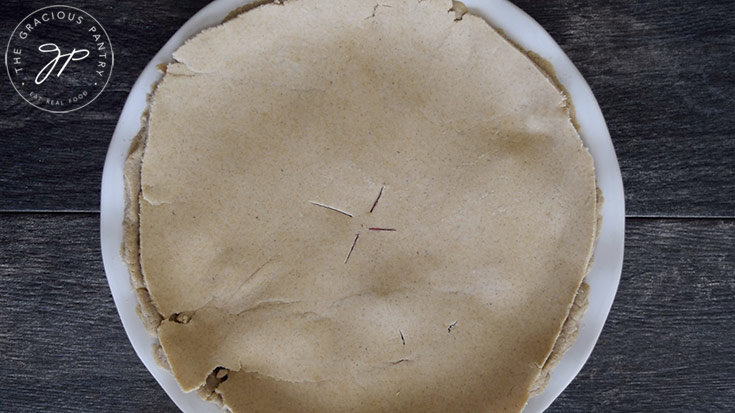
x=667 y=346
x=63 y=348
x=664 y=74
x=662 y=71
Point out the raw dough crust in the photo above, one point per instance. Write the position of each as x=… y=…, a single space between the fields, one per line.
x=264 y=122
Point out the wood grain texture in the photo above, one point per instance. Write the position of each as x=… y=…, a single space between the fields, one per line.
x=663 y=72
x=62 y=346
x=668 y=344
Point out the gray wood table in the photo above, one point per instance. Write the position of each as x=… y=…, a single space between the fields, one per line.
x=663 y=72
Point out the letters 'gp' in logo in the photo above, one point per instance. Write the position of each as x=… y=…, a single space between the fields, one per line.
x=59 y=58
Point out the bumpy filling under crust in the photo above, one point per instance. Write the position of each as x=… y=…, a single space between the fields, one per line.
x=344 y=205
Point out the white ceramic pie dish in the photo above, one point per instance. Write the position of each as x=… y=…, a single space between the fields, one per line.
x=603 y=277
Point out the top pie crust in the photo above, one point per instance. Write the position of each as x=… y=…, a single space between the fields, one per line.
x=276 y=138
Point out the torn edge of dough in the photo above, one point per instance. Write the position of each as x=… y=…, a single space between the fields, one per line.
x=247 y=7
x=459 y=10
x=209 y=391
x=570 y=327
x=547 y=69
x=130 y=249
x=160 y=357
x=567 y=337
